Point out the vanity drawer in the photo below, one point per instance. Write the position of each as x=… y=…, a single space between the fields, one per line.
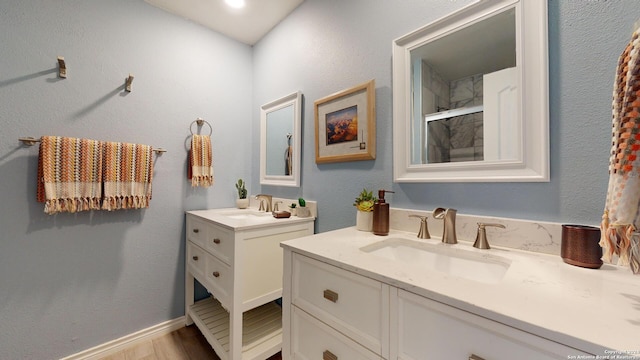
x=220 y=242
x=311 y=339
x=352 y=304
x=196 y=231
x=219 y=278
x=427 y=329
x=196 y=259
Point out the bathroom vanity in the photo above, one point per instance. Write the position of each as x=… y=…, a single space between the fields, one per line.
x=350 y=294
x=235 y=254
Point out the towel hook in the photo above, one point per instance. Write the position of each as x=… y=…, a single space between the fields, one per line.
x=200 y=122
x=62 y=68
x=127 y=83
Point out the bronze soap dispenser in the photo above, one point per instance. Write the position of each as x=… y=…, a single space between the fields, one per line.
x=381 y=214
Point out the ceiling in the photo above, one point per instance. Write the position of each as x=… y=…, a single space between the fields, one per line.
x=247 y=25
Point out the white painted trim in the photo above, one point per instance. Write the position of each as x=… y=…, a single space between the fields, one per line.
x=113 y=346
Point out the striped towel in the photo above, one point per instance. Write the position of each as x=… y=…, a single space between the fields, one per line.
x=621 y=216
x=201 y=161
x=128 y=170
x=69 y=174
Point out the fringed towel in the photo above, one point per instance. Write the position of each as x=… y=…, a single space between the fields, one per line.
x=200 y=161
x=128 y=170
x=69 y=174
x=621 y=217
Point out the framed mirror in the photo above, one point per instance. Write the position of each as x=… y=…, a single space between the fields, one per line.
x=280 y=142
x=470 y=96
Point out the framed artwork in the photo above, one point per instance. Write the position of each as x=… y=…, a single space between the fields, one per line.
x=346 y=125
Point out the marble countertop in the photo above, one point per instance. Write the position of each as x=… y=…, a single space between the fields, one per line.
x=246 y=219
x=595 y=311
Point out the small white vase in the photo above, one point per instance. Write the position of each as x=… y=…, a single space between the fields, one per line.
x=303 y=212
x=242 y=203
x=293 y=211
x=364 y=220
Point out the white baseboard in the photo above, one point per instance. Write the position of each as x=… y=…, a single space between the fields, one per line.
x=126 y=341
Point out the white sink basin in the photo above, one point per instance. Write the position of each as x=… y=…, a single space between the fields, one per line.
x=471 y=265
x=244 y=214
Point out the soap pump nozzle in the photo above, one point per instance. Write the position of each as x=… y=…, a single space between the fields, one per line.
x=381 y=195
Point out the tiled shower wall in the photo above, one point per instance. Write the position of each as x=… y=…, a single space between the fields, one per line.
x=453 y=139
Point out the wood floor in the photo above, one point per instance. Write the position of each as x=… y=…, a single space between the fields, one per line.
x=186 y=343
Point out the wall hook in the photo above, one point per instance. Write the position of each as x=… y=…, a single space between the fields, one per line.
x=128 y=81
x=62 y=68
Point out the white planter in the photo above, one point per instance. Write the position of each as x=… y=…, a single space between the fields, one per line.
x=364 y=220
x=303 y=211
x=242 y=203
x=293 y=211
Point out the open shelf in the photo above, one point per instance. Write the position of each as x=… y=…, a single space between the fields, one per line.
x=261 y=328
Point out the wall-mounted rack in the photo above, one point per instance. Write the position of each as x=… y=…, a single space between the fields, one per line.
x=30 y=141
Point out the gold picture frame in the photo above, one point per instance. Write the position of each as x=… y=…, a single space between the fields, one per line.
x=340 y=134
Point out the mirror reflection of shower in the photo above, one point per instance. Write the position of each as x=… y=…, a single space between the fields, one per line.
x=464 y=88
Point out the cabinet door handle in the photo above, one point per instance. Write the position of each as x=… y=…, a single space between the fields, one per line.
x=195 y=258
x=328 y=355
x=216 y=241
x=216 y=274
x=196 y=231
x=331 y=295
x=475 y=357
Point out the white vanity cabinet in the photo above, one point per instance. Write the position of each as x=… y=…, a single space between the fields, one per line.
x=427 y=329
x=240 y=264
x=335 y=314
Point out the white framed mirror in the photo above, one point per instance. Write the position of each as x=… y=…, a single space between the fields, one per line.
x=280 y=142
x=471 y=98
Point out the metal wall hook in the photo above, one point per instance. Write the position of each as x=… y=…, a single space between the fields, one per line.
x=127 y=83
x=62 y=68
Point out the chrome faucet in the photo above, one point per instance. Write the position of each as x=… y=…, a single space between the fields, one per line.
x=265 y=202
x=423 y=233
x=449 y=228
x=275 y=205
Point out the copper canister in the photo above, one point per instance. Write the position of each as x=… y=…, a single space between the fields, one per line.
x=580 y=246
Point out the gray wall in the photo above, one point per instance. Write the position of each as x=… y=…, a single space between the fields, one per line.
x=329 y=45
x=70 y=282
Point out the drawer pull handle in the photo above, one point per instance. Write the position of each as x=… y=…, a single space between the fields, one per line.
x=195 y=258
x=328 y=355
x=216 y=241
x=196 y=231
x=331 y=295
x=475 y=357
x=216 y=274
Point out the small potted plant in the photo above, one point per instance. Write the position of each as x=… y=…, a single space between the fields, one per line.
x=292 y=209
x=364 y=206
x=303 y=210
x=242 y=202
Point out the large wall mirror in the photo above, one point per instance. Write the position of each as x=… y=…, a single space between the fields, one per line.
x=280 y=143
x=470 y=96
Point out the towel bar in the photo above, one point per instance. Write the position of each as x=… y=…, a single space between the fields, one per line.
x=30 y=141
